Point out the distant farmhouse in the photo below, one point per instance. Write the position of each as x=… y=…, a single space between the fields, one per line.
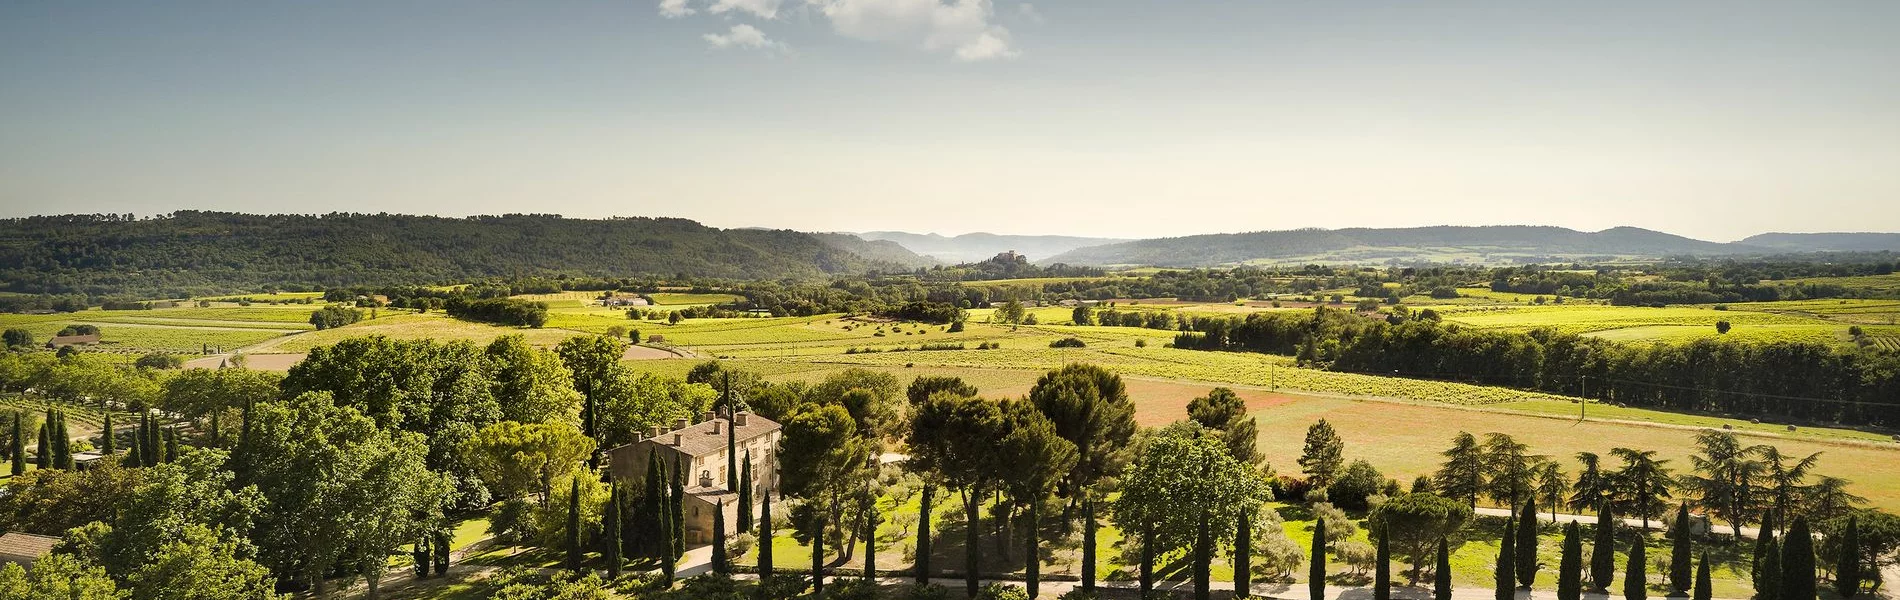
x=24 y=548
x=700 y=449
x=624 y=301
x=61 y=341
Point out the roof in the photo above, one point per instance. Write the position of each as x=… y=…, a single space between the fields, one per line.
x=68 y=340
x=698 y=439
x=25 y=547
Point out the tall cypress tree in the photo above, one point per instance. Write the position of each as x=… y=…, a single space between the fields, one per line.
x=1506 y=575
x=664 y=534
x=1147 y=573
x=732 y=438
x=721 y=564
x=63 y=445
x=1382 y=569
x=441 y=553
x=1570 y=567
x=1203 y=558
x=171 y=444
x=1243 y=557
x=870 y=544
x=1088 y=538
x=135 y=456
x=818 y=554
x=1603 y=551
x=420 y=554
x=765 y=536
x=1768 y=576
x=1032 y=561
x=922 y=566
x=1764 y=546
x=676 y=508
x=1441 y=574
x=610 y=530
x=1704 y=586
x=43 y=453
x=105 y=437
x=1797 y=562
x=574 y=525
x=1636 y=579
x=1847 y=564
x=216 y=434
x=652 y=504
x=1526 y=546
x=745 y=494
x=1316 y=573
x=17 y=445
x=1680 y=565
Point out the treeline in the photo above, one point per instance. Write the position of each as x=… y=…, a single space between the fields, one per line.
x=195 y=253
x=501 y=311
x=1788 y=380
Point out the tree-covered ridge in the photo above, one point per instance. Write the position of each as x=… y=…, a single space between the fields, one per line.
x=192 y=252
x=1400 y=243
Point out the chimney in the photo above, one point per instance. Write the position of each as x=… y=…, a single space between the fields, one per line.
x=676 y=440
x=716 y=429
x=681 y=423
x=708 y=416
x=656 y=433
x=637 y=436
x=739 y=418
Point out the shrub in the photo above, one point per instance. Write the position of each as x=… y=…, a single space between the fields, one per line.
x=1339 y=527
x=1079 y=594
x=1068 y=342
x=1287 y=488
x=929 y=591
x=1275 y=557
x=998 y=591
x=1141 y=343
x=1358 y=556
x=1360 y=481
x=851 y=589
x=160 y=360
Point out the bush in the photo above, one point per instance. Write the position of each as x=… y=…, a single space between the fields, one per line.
x=928 y=591
x=1359 y=556
x=1141 y=343
x=160 y=360
x=333 y=316
x=1068 y=342
x=1079 y=594
x=81 y=329
x=998 y=591
x=1359 y=482
x=851 y=589
x=1287 y=488
x=1339 y=527
x=1275 y=557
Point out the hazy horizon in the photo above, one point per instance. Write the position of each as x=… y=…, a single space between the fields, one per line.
x=1711 y=120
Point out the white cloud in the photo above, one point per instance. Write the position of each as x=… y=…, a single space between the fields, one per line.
x=764 y=9
x=742 y=36
x=1029 y=13
x=964 y=27
x=673 y=9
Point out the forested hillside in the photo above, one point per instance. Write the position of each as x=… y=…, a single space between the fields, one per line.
x=190 y=252
x=1826 y=242
x=1363 y=244
x=876 y=250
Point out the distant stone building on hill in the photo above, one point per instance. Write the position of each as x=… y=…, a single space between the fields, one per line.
x=60 y=341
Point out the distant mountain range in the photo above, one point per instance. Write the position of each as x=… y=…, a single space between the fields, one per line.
x=972 y=247
x=1510 y=243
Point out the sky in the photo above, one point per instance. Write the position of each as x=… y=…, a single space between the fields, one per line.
x=1712 y=119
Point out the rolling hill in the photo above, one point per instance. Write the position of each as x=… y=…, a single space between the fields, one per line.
x=1826 y=242
x=1442 y=244
x=973 y=247
x=191 y=253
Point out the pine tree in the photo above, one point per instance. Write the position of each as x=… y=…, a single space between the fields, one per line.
x=1382 y=569
x=1603 y=552
x=1704 y=587
x=1441 y=574
x=1768 y=576
x=720 y=562
x=610 y=530
x=1526 y=546
x=1680 y=573
x=574 y=525
x=43 y=454
x=1636 y=579
x=105 y=431
x=1243 y=557
x=1797 y=562
x=1316 y=575
x=765 y=536
x=1506 y=575
x=745 y=494
x=1570 y=566
x=1847 y=565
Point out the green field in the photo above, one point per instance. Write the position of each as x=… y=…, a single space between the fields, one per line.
x=673 y=299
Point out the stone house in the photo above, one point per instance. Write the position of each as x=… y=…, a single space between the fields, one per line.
x=699 y=448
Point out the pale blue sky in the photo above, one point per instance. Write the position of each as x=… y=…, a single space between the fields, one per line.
x=1134 y=119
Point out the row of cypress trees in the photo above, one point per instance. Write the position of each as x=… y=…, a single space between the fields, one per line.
x=1785 y=566
x=152 y=445
x=652 y=527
